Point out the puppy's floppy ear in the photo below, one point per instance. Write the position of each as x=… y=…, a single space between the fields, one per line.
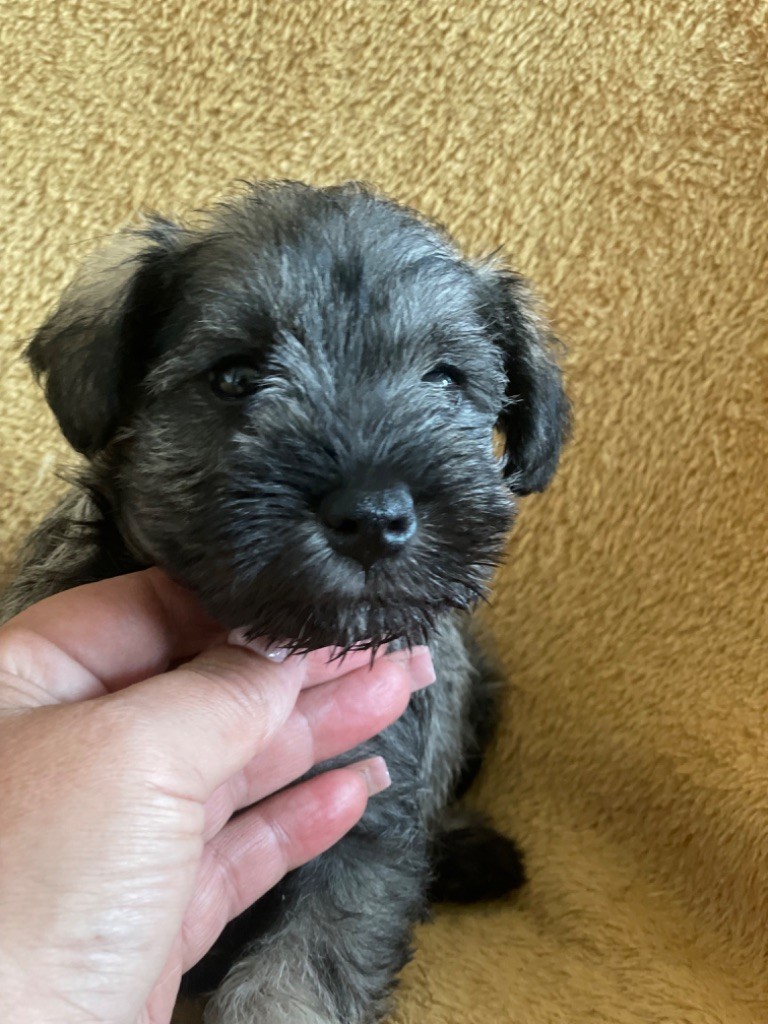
x=536 y=418
x=92 y=351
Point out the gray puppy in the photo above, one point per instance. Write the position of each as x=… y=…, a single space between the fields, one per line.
x=291 y=409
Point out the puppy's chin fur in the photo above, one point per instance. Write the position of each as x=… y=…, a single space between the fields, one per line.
x=356 y=627
x=280 y=611
x=376 y=610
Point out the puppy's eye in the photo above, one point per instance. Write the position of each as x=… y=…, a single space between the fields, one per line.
x=446 y=377
x=234 y=380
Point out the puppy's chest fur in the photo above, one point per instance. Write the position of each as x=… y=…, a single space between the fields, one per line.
x=429 y=746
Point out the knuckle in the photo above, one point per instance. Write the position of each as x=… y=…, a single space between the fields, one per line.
x=17 y=645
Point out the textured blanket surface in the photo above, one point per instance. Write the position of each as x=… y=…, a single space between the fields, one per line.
x=619 y=151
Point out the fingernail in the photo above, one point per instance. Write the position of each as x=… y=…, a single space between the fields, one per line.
x=422 y=670
x=375 y=773
x=239 y=638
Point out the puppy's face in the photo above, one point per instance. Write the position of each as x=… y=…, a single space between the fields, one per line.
x=296 y=405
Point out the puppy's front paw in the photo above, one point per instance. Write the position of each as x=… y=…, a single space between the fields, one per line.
x=474 y=862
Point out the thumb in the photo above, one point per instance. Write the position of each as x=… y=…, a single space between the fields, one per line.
x=206 y=719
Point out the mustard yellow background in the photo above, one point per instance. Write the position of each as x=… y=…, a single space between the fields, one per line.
x=619 y=151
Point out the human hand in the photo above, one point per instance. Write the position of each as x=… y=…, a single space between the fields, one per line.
x=119 y=864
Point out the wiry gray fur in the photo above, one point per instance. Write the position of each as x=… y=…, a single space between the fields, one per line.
x=344 y=304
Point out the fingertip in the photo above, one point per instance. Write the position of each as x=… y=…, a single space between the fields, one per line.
x=334 y=803
x=354 y=785
x=390 y=687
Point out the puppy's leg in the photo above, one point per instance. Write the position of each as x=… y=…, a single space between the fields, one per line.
x=471 y=861
x=342 y=935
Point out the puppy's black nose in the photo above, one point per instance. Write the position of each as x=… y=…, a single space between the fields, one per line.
x=368 y=524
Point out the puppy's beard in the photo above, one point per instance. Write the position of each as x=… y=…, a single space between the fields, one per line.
x=332 y=602
x=358 y=627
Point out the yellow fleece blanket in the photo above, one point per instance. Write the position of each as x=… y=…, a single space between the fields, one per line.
x=619 y=150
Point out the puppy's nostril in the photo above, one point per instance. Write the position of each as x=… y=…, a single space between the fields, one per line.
x=397 y=525
x=399 y=531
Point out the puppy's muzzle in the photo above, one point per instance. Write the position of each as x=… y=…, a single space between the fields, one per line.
x=367 y=523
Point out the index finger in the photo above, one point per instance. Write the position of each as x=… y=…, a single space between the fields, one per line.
x=101 y=637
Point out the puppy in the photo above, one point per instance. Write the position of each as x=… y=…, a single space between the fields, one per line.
x=291 y=408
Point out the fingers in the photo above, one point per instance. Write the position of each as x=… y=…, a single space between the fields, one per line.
x=207 y=719
x=103 y=636
x=325 y=722
x=254 y=851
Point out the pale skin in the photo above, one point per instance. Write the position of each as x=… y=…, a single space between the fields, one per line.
x=119 y=860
